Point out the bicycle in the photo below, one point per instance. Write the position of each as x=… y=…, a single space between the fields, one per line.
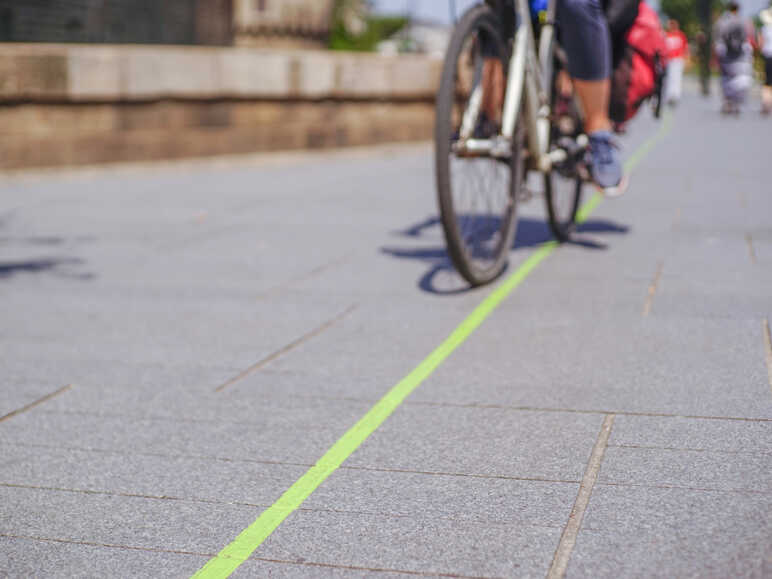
x=485 y=165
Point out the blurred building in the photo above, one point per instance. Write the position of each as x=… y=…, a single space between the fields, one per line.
x=118 y=21
x=282 y=23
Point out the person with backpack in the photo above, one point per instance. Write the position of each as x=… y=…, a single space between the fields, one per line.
x=765 y=45
x=734 y=54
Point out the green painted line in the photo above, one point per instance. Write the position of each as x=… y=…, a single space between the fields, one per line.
x=240 y=549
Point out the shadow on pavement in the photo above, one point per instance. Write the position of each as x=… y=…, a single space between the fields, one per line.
x=442 y=279
x=67 y=267
x=63 y=267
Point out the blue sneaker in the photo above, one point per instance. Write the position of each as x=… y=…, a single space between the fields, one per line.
x=605 y=166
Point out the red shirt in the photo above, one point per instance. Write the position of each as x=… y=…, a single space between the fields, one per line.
x=677 y=44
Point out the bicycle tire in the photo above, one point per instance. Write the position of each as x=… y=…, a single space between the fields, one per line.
x=562 y=225
x=464 y=255
x=562 y=192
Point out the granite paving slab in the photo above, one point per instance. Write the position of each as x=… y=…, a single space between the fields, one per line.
x=419 y=544
x=137 y=473
x=491 y=441
x=28 y=557
x=135 y=522
x=645 y=532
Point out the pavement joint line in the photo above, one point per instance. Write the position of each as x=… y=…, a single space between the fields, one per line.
x=685 y=488
x=677 y=220
x=121 y=452
x=390 y=515
x=751 y=251
x=588 y=411
x=423 y=516
x=332 y=264
x=741 y=197
x=188 y=241
x=241 y=548
x=768 y=350
x=130 y=495
x=288 y=348
x=371 y=401
x=167 y=419
x=104 y=545
x=274 y=463
x=462 y=474
x=369 y=569
x=571 y=530
x=653 y=289
x=35 y=403
x=688 y=449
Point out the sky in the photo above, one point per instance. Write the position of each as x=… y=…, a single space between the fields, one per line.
x=436 y=10
x=439 y=10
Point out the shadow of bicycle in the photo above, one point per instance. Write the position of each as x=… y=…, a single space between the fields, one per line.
x=16 y=260
x=441 y=277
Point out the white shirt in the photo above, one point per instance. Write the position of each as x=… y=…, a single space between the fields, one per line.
x=766 y=35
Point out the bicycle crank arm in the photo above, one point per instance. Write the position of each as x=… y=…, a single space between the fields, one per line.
x=498 y=148
x=570 y=149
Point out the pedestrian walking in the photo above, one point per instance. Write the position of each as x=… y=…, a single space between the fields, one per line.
x=765 y=44
x=677 y=53
x=735 y=55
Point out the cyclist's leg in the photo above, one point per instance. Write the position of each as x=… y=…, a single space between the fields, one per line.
x=587 y=41
x=493 y=74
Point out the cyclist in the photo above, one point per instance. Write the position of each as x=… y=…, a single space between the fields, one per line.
x=586 y=39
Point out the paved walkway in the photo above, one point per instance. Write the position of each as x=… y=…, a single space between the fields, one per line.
x=179 y=345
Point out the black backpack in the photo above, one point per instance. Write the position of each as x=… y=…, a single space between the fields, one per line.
x=734 y=39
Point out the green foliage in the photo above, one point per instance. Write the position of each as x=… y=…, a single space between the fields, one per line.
x=376 y=30
x=685 y=11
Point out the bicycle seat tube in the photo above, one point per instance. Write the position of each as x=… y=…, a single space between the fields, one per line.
x=526 y=82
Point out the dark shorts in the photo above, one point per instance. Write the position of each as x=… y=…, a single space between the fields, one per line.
x=768 y=70
x=505 y=14
x=586 y=39
x=583 y=31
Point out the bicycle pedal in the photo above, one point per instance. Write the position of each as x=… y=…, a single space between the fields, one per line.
x=573 y=147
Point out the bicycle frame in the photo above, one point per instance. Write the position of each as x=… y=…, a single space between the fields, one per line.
x=528 y=78
x=528 y=84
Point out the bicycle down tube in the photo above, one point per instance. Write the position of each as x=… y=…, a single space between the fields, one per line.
x=528 y=78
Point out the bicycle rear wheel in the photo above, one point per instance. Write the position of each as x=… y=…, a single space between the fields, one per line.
x=562 y=184
x=477 y=195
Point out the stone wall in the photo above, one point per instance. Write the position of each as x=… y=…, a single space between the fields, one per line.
x=75 y=104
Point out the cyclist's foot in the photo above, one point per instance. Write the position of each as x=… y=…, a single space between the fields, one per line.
x=605 y=165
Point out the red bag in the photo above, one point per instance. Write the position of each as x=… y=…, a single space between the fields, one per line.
x=641 y=68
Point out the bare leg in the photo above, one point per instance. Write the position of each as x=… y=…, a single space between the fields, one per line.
x=594 y=96
x=766 y=98
x=493 y=89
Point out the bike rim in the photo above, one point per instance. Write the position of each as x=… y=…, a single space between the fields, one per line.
x=480 y=188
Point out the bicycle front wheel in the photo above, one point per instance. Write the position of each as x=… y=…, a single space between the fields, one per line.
x=477 y=194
